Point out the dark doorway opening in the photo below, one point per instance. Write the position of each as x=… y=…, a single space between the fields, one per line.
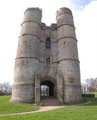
x=47 y=88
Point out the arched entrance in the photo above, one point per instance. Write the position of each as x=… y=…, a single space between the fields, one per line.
x=48 y=91
x=47 y=88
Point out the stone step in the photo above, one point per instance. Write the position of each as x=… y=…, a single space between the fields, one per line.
x=49 y=101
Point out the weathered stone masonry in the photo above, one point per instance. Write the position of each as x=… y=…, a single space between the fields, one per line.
x=47 y=53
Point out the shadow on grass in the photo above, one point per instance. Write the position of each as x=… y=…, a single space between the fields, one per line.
x=89 y=101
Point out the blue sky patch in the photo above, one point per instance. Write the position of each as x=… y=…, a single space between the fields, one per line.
x=80 y=4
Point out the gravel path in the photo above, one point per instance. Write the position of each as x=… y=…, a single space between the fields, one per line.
x=42 y=109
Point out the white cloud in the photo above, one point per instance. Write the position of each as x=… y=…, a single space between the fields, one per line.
x=86 y=24
x=80 y=4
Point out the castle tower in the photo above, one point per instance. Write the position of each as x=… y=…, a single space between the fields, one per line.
x=47 y=56
x=68 y=58
x=27 y=58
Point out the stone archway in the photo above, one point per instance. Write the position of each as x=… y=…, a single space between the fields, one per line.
x=47 y=88
x=49 y=95
x=50 y=84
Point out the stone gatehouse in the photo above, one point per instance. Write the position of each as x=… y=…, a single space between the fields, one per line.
x=47 y=57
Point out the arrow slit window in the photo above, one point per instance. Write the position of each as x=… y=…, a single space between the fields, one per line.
x=48 y=43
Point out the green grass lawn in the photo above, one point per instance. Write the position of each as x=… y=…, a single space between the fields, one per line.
x=6 y=107
x=69 y=112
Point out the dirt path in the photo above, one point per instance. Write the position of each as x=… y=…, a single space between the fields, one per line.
x=42 y=109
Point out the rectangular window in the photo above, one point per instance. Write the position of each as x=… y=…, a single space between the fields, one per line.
x=48 y=60
x=48 y=43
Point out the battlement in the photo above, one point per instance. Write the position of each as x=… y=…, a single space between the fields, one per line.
x=52 y=27
x=63 y=10
x=33 y=14
x=34 y=9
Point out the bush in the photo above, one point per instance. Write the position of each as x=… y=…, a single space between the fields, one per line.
x=1 y=93
x=88 y=95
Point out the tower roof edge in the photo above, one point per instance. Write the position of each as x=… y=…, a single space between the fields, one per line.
x=63 y=10
x=34 y=9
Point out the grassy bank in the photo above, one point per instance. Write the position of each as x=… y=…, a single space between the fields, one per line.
x=87 y=111
x=6 y=107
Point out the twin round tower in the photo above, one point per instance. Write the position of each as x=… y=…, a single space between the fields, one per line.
x=47 y=56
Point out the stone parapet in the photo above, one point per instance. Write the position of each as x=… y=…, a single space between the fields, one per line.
x=64 y=17
x=33 y=14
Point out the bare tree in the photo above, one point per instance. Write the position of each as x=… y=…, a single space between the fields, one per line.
x=84 y=88
x=5 y=87
x=90 y=85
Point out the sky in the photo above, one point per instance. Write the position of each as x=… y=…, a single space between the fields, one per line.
x=85 y=19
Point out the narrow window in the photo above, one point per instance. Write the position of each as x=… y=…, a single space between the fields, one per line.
x=48 y=60
x=48 y=43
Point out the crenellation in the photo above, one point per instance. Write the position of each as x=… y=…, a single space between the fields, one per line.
x=34 y=9
x=53 y=26
x=33 y=14
x=43 y=26
x=63 y=10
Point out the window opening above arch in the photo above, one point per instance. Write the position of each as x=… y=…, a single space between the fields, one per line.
x=48 y=43
x=47 y=60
